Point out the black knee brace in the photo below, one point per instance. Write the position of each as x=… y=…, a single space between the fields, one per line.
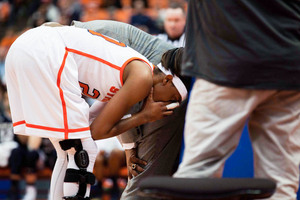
x=81 y=176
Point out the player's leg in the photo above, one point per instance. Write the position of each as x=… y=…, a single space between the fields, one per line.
x=79 y=174
x=275 y=133
x=59 y=171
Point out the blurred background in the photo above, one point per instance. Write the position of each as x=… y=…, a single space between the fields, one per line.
x=26 y=163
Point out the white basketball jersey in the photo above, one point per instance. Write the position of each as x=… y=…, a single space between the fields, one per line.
x=100 y=59
x=49 y=68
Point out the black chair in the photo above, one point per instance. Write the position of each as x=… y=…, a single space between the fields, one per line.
x=162 y=187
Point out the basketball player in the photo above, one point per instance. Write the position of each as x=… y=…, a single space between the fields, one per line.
x=47 y=71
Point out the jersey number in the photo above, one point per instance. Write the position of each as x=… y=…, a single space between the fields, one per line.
x=85 y=91
x=108 y=38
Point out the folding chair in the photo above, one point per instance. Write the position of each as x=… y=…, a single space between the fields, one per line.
x=162 y=187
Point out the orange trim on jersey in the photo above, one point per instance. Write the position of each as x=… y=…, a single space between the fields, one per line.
x=19 y=123
x=61 y=94
x=57 y=129
x=128 y=61
x=94 y=58
x=51 y=128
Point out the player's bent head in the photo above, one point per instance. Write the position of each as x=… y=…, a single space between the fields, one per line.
x=163 y=88
x=167 y=86
x=172 y=60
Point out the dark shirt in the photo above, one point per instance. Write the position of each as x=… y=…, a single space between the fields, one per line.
x=244 y=43
x=139 y=20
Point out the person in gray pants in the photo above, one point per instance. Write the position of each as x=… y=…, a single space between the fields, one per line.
x=153 y=148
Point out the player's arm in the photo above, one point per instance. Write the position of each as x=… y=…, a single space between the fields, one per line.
x=137 y=85
x=151 y=112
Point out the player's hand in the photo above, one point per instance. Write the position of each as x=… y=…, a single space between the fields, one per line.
x=153 y=111
x=134 y=164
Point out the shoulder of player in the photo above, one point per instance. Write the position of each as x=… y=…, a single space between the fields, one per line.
x=139 y=71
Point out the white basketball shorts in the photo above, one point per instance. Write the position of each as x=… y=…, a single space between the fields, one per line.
x=43 y=89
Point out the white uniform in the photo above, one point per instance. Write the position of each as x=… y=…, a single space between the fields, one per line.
x=48 y=69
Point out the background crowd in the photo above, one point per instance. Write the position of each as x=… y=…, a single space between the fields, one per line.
x=16 y=16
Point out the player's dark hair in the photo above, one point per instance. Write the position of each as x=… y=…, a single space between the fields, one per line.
x=172 y=60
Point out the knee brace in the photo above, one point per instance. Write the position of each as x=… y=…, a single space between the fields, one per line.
x=81 y=176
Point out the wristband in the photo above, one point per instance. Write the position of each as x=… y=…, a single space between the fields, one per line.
x=126 y=116
x=128 y=145
x=172 y=105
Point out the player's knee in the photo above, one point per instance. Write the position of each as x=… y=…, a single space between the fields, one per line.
x=82 y=176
